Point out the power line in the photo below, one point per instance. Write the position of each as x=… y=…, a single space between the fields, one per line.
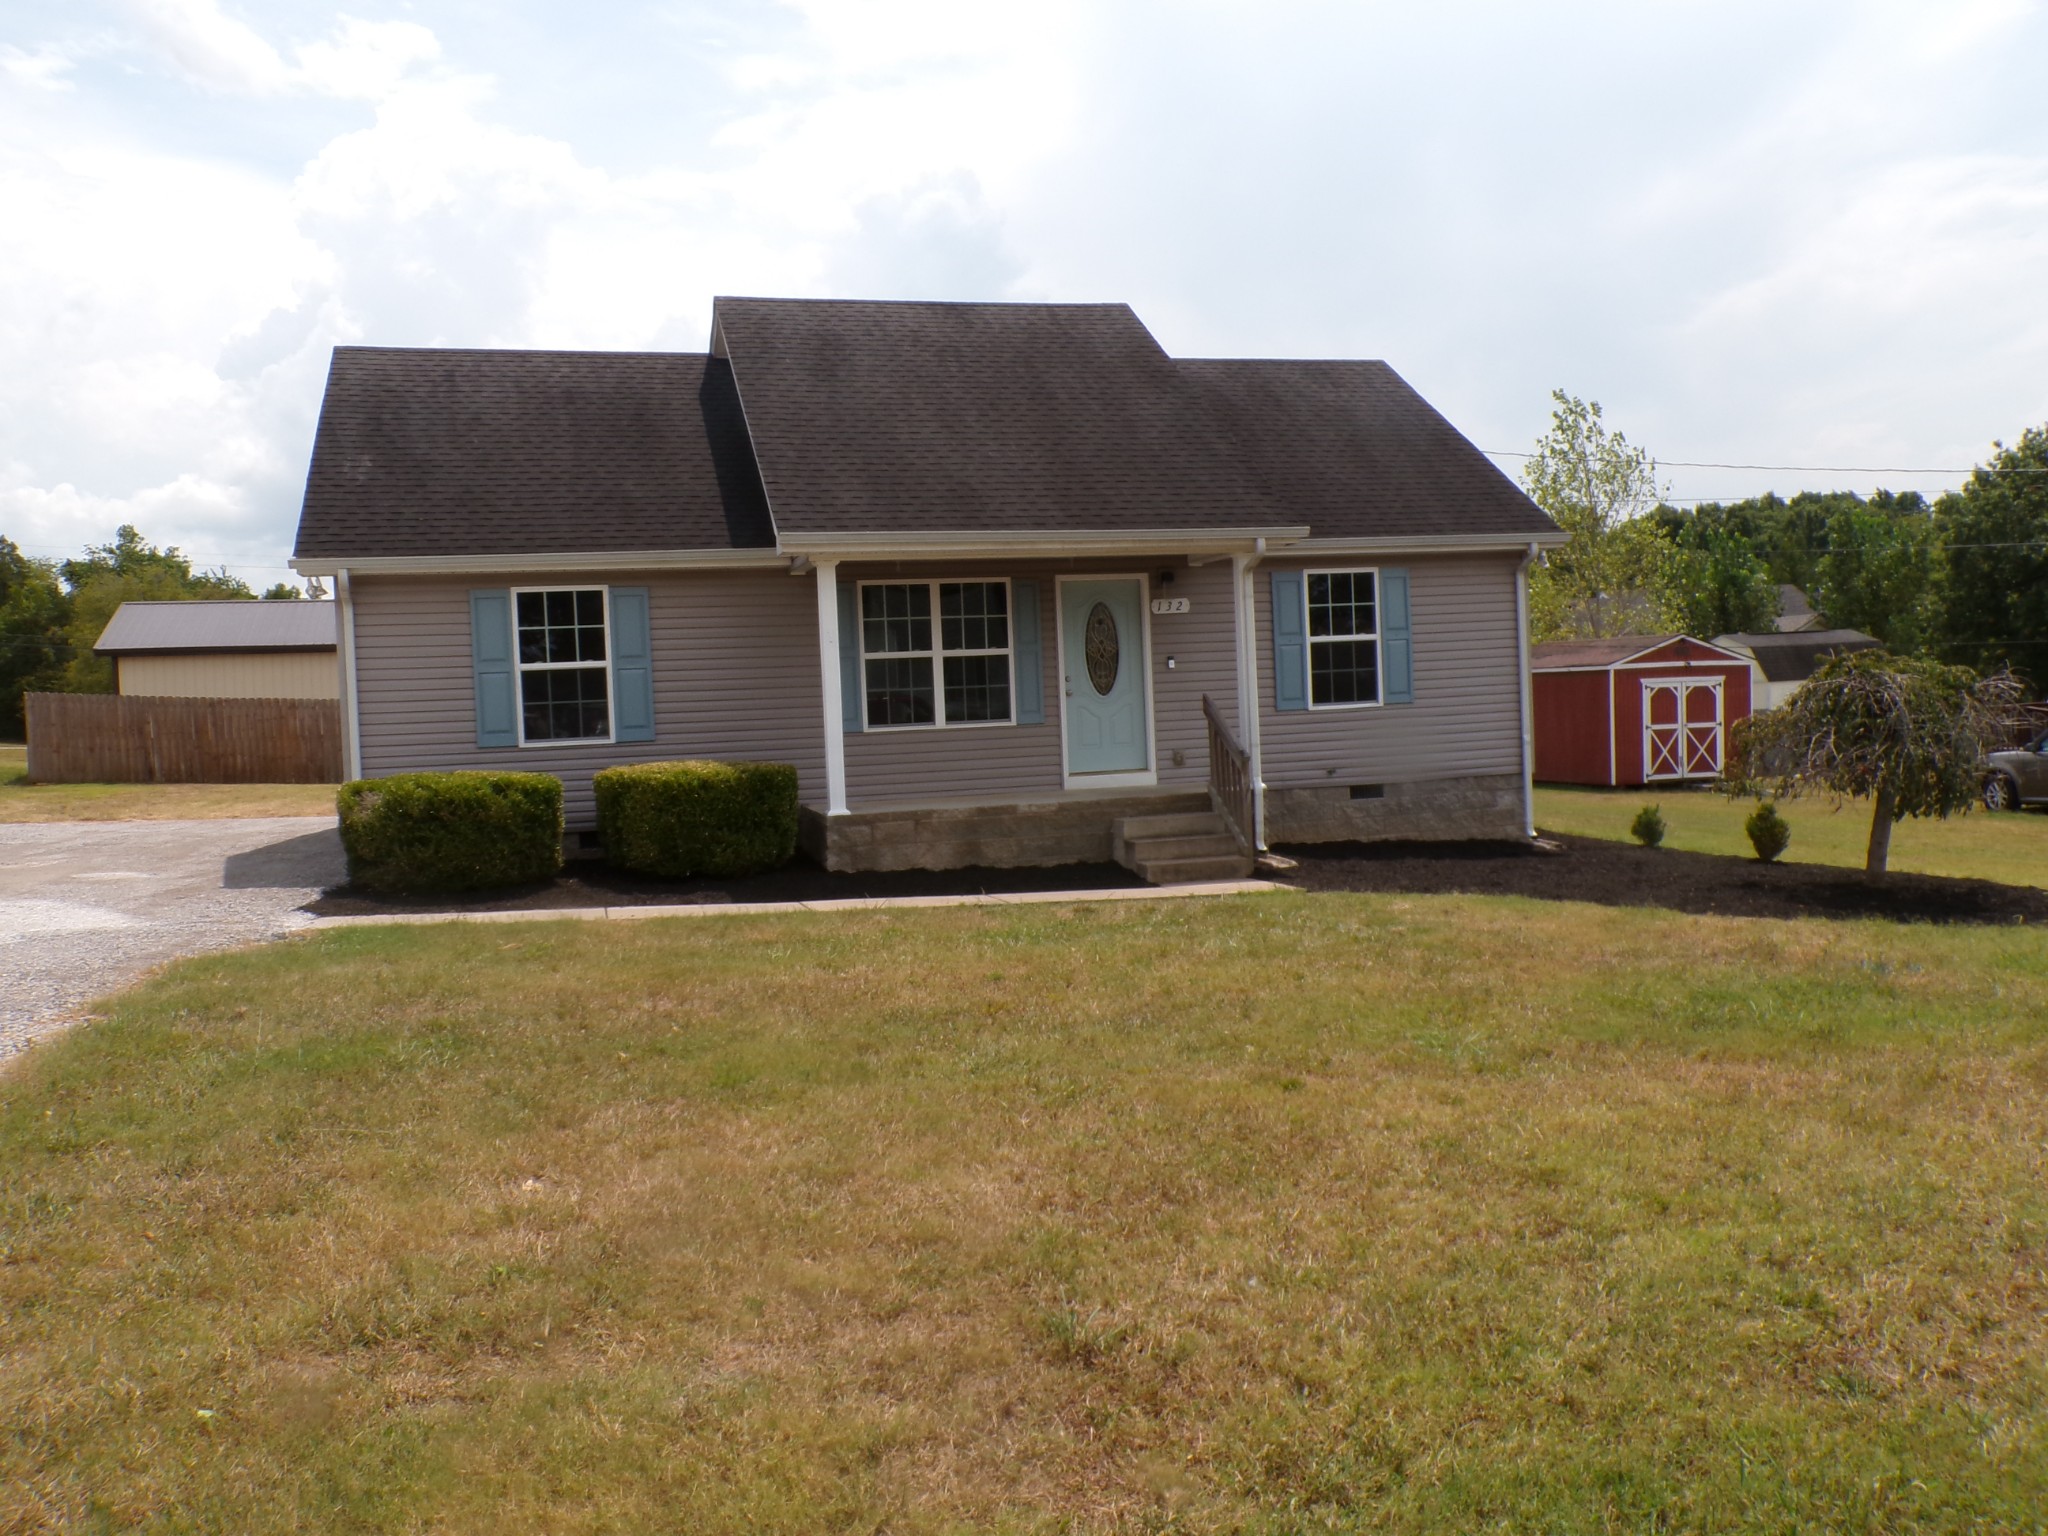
x=1805 y=469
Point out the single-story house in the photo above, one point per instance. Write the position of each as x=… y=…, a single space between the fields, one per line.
x=1780 y=663
x=238 y=649
x=1635 y=709
x=1005 y=582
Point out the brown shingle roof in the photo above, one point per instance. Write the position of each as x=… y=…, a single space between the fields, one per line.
x=1592 y=653
x=444 y=451
x=912 y=417
x=1352 y=450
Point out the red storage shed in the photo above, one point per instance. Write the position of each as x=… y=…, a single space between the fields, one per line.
x=1634 y=709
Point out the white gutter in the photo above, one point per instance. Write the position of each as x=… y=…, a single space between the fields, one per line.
x=595 y=560
x=351 y=705
x=1528 y=711
x=1035 y=544
x=1429 y=543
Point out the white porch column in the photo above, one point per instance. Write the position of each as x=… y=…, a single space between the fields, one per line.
x=828 y=670
x=351 y=707
x=1245 y=611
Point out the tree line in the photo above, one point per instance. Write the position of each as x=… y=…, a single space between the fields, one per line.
x=51 y=612
x=1961 y=580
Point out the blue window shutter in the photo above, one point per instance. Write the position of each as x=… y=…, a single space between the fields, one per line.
x=1290 y=641
x=632 y=666
x=490 y=657
x=1397 y=645
x=852 y=695
x=1028 y=658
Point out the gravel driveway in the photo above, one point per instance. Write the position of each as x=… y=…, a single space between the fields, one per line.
x=86 y=907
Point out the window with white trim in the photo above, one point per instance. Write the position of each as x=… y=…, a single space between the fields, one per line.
x=1343 y=638
x=563 y=644
x=935 y=653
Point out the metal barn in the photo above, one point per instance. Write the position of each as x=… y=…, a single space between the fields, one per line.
x=1634 y=709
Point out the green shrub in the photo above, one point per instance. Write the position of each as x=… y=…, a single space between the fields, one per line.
x=1769 y=833
x=1648 y=827
x=451 y=831
x=717 y=819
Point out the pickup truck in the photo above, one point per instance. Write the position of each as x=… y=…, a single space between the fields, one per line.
x=2017 y=778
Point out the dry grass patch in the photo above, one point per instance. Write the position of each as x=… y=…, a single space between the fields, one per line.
x=2010 y=847
x=1271 y=1214
x=22 y=801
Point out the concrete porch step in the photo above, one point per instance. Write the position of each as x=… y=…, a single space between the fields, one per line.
x=1175 y=824
x=1179 y=848
x=1206 y=845
x=1231 y=866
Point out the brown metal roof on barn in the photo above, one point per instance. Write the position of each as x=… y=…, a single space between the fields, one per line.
x=1592 y=653
x=1792 y=657
x=1352 y=450
x=429 y=451
x=239 y=625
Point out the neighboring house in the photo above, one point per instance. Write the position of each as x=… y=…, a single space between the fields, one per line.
x=242 y=649
x=1795 y=613
x=996 y=578
x=1635 y=709
x=1781 y=663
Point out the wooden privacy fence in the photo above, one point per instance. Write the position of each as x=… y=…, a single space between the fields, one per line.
x=102 y=738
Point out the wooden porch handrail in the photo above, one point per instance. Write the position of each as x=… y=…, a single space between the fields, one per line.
x=1230 y=777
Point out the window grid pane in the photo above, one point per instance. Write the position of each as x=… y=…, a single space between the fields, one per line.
x=974 y=616
x=977 y=688
x=899 y=691
x=565 y=703
x=561 y=628
x=1342 y=603
x=896 y=618
x=1344 y=672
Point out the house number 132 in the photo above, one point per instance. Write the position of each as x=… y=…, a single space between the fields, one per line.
x=1169 y=605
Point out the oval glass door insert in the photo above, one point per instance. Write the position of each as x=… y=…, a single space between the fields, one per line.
x=1105 y=650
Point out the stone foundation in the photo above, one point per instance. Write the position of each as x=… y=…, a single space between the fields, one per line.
x=1485 y=806
x=1034 y=835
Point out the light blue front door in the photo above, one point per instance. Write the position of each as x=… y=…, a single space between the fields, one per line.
x=1103 y=679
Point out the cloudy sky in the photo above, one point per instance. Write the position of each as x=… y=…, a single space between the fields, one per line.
x=1759 y=233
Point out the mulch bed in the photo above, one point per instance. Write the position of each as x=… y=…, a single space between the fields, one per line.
x=1625 y=875
x=591 y=884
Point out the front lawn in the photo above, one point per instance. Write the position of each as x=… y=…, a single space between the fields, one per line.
x=22 y=801
x=2011 y=847
x=1275 y=1213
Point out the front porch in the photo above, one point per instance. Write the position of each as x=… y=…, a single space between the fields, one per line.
x=1074 y=827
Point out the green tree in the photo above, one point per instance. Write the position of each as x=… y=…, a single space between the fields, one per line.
x=281 y=590
x=1597 y=486
x=1907 y=733
x=130 y=569
x=33 y=614
x=1995 y=562
x=1714 y=583
x=1880 y=571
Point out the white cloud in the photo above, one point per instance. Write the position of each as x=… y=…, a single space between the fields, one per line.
x=209 y=47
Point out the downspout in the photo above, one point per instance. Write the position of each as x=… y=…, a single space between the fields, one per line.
x=351 y=704
x=1247 y=608
x=1528 y=713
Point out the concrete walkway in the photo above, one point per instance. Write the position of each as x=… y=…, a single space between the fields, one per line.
x=848 y=904
x=87 y=907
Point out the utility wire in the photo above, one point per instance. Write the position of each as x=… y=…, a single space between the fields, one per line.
x=1804 y=469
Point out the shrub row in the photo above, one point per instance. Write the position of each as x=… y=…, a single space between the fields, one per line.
x=471 y=831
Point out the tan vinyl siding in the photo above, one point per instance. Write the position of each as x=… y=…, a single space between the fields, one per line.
x=899 y=767
x=232 y=675
x=735 y=676
x=1466 y=718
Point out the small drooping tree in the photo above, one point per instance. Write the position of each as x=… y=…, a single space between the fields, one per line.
x=1909 y=734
